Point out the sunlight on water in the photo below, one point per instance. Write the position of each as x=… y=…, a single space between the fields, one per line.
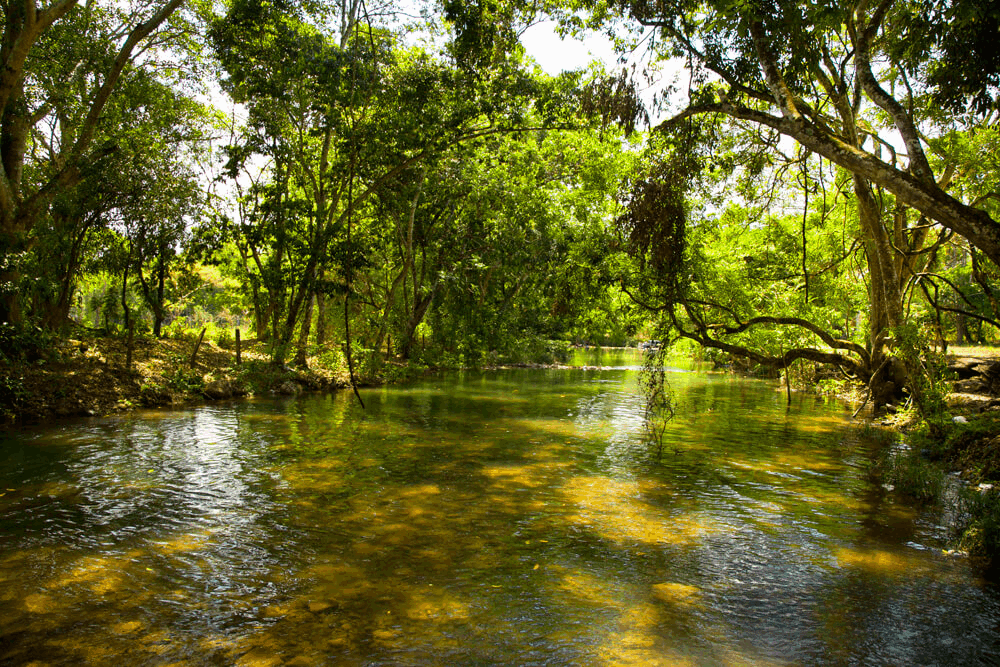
x=508 y=517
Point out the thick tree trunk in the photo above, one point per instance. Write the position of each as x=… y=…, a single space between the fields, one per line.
x=12 y=244
x=321 y=320
x=303 y=343
x=416 y=317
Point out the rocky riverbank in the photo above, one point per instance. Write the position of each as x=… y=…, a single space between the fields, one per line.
x=977 y=384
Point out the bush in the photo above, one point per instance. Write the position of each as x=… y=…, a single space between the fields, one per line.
x=184 y=379
x=12 y=395
x=980 y=534
x=20 y=342
x=332 y=359
x=907 y=472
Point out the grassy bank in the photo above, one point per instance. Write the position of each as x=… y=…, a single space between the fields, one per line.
x=961 y=460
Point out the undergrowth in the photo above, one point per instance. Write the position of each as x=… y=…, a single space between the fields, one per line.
x=916 y=469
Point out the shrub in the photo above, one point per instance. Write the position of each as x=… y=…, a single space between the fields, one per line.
x=20 y=342
x=980 y=534
x=907 y=472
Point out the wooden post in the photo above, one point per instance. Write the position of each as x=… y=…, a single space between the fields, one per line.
x=238 y=359
x=788 y=386
x=788 y=381
x=194 y=355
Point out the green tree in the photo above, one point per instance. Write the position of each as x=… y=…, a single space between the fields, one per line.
x=144 y=185
x=812 y=72
x=342 y=122
x=31 y=36
x=839 y=82
x=527 y=226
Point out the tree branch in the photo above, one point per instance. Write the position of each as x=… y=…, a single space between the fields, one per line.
x=926 y=197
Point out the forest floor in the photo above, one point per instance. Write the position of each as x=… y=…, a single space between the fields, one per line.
x=88 y=375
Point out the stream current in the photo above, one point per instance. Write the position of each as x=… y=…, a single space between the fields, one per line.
x=512 y=517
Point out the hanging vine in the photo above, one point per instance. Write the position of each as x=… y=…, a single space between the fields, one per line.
x=659 y=408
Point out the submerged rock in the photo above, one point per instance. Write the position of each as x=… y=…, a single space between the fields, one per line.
x=288 y=388
x=218 y=389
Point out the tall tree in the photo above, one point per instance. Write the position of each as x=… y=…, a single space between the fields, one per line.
x=838 y=80
x=26 y=27
x=144 y=182
x=811 y=71
x=343 y=119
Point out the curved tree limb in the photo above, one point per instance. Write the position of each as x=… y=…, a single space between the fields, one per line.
x=823 y=335
x=974 y=224
x=903 y=120
x=781 y=361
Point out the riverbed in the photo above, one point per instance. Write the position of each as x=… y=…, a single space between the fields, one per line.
x=509 y=517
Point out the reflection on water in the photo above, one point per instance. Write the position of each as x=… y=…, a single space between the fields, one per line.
x=510 y=517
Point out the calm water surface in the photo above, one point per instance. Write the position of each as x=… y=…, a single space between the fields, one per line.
x=497 y=518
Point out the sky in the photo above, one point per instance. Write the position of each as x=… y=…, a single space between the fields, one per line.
x=555 y=54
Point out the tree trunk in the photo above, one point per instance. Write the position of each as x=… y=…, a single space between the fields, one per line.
x=161 y=280
x=124 y=294
x=11 y=245
x=303 y=343
x=197 y=346
x=321 y=322
x=887 y=377
x=416 y=317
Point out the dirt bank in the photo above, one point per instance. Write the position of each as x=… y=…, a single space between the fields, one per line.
x=88 y=374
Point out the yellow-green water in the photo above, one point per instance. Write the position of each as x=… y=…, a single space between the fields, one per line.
x=497 y=518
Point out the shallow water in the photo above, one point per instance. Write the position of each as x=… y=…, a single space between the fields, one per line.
x=507 y=517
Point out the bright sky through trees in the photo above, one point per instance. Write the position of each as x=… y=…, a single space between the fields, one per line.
x=555 y=54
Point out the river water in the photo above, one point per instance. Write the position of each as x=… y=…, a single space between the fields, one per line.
x=511 y=517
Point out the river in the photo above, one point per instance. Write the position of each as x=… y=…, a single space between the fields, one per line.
x=511 y=517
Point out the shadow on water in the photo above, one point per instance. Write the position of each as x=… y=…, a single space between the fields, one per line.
x=509 y=517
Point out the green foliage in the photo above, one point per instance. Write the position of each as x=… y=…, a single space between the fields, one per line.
x=24 y=342
x=332 y=359
x=908 y=473
x=980 y=534
x=965 y=444
x=928 y=378
x=956 y=42
x=484 y=32
x=182 y=378
x=13 y=393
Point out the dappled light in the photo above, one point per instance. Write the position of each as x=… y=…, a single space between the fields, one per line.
x=614 y=511
x=476 y=519
x=881 y=562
